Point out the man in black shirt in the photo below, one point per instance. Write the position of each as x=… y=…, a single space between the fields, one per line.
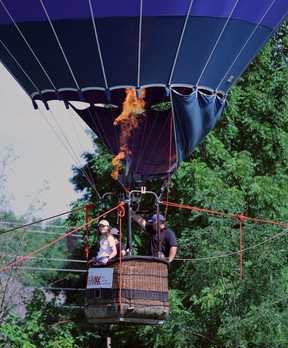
x=116 y=234
x=168 y=244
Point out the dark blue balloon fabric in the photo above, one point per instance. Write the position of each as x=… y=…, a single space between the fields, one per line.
x=188 y=52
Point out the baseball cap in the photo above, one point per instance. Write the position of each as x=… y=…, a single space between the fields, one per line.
x=104 y=222
x=115 y=231
x=154 y=218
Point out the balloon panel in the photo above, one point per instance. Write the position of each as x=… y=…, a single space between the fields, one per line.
x=62 y=49
x=168 y=50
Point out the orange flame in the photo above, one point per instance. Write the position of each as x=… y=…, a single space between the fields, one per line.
x=128 y=121
x=117 y=165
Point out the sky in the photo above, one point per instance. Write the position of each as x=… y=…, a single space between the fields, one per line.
x=41 y=157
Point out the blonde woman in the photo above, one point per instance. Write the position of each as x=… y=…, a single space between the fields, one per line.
x=107 y=246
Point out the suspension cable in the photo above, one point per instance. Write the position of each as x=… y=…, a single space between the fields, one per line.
x=98 y=45
x=38 y=221
x=216 y=43
x=57 y=240
x=246 y=43
x=60 y=46
x=28 y=45
x=70 y=151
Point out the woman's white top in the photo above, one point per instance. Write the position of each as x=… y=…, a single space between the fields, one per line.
x=105 y=246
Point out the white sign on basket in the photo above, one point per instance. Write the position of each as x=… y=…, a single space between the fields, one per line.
x=100 y=278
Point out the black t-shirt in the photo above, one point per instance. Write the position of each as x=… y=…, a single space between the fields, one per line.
x=167 y=238
x=118 y=248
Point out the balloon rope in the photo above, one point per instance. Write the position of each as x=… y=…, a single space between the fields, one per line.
x=245 y=44
x=277 y=235
x=121 y=214
x=139 y=44
x=56 y=240
x=180 y=42
x=74 y=157
x=241 y=248
x=29 y=47
x=86 y=171
x=71 y=152
x=240 y=217
x=38 y=221
x=86 y=253
x=98 y=45
x=60 y=46
x=170 y=161
x=99 y=130
x=243 y=217
x=156 y=146
x=216 y=43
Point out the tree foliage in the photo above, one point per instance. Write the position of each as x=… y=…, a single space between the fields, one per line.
x=43 y=326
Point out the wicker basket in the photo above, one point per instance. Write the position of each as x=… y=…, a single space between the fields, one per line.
x=142 y=298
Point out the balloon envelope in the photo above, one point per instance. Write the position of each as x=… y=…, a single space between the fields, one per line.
x=176 y=50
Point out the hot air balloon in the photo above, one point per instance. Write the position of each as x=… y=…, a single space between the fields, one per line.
x=188 y=55
x=155 y=74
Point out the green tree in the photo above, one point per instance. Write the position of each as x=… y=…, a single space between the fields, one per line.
x=43 y=326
